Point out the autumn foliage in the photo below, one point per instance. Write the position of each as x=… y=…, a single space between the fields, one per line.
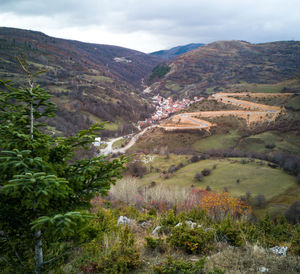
x=216 y=204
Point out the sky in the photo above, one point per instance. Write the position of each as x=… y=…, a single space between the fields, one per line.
x=150 y=25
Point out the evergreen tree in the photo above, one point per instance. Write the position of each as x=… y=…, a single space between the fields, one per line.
x=43 y=192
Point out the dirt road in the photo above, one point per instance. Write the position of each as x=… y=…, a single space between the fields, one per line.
x=253 y=112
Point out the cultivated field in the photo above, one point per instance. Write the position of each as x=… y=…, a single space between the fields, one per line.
x=252 y=112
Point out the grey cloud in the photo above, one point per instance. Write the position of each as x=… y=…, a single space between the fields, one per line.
x=173 y=21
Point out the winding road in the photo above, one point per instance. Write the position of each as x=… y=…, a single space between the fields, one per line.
x=254 y=113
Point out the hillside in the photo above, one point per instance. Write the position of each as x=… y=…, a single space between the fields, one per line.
x=233 y=66
x=176 y=51
x=90 y=82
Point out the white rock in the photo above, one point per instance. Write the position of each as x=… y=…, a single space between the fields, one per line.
x=263 y=269
x=179 y=224
x=123 y=220
x=279 y=250
x=155 y=231
x=143 y=224
x=191 y=224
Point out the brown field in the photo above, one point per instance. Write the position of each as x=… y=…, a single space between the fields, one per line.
x=253 y=112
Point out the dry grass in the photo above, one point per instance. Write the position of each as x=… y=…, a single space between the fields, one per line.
x=129 y=190
x=249 y=259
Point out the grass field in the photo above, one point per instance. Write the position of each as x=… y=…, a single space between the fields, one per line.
x=288 y=142
x=255 y=177
x=293 y=84
x=217 y=141
x=107 y=125
x=119 y=143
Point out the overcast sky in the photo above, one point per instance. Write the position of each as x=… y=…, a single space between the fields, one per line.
x=149 y=25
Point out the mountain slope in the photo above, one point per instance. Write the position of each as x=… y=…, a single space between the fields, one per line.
x=232 y=65
x=90 y=82
x=176 y=51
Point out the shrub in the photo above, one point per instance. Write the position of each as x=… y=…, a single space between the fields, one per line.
x=169 y=219
x=198 y=177
x=180 y=165
x=194 y=241
x=259 y=201
x=295 y=243
x=194 y=159
x=155 y=244
x=206 y=172
x=219 y=205
x=293 y=213
x=121 y=258
x=172 y=169
x=136 y=169
x=270 y=146
x=171 y=266
x=229 y=232
x=298 y=178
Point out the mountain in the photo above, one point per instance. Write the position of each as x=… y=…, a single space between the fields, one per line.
x=176 y=51
x=232 y=66
x=90 y=82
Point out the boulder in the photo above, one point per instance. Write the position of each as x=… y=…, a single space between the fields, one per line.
x=155 y=231
x=279 y=250
x=123 y=220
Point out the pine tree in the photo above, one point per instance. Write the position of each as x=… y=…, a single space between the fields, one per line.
x=44 y=194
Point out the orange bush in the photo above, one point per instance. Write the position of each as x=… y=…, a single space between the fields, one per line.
x=217 y=204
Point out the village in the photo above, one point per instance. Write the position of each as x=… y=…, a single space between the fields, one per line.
x=165 y=107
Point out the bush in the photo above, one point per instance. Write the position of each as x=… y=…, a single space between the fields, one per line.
x=293 y=213
x=137 y=169
x=121 y=258
x=259 y=201
x=194 y=241
x=194 y=159
x=155 y=244
x=198 y=177
x=206 y=172
x=172 y=169
x=171 y=266
x=208 y=188
x=229 y=232
x=169 y=219
x=180 y=165
x=298 y=178
x=270 y=146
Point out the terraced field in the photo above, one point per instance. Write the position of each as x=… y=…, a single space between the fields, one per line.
x=253 y=112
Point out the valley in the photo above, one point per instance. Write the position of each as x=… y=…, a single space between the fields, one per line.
x=193 y=165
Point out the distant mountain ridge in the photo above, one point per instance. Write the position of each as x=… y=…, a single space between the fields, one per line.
x=176 y=51
x=90 y=82
x=232 y=65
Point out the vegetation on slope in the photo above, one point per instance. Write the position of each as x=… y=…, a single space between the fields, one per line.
x=235 y=66
x=86 y=81
x=44 y=191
